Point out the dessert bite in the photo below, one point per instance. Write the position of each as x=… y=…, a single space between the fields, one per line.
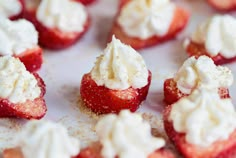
x=119 y=80
x=12 y=9
x=197 y=73
x=60 y=23
x=202 y=125
x=214 y=39
x=226 y=5
x=43 y=139
x=21 y=92
x=144 y=23
x=20 y=39
x=119 y=137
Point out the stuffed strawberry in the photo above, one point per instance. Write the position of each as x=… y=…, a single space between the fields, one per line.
x=60 y=23
x=124 y=126
x=202 y=125
x=144 y=23
x=114 y=83
x=20 y=39
x=21 y=91
x=214 y=39
x=12 y=9
x=50 y=146
x=226 y=5
x=195 y=73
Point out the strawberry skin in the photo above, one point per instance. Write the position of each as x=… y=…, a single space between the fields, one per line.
x=54 y=38
x=13 y=153
x=179 y=22
x=32 y=58
x=194 y=49
x=219 y=149
x=226 y=5
x=102 y=100
x=18 y=16
x=94 y=151
x=35 y=109
x=86 y=2
x=172 y=94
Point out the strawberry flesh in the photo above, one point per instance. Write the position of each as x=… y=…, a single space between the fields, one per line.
x=102 y=100
x=32 y=58
x=226 y=5
x=94 y=151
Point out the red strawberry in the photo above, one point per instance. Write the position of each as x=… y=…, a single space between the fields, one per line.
x=226 y=5
x=178 y=24
x=53 y=38
x=102 y=100
x=35 y=109
x=219 y=149
x=194 y=49
x=12 y=153
x=32 y=58
x=95 y=152
x=173 y=94
x=86 y=2
x=15 y=17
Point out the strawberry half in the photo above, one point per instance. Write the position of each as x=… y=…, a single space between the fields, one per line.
x=102 y=100
x=35 y=109
x=179 y=22
x=19 y=15
x=53 y=38
x=226 y=5
x=219 y=149
x=197 y=50
x=172 y=94
x=32 y=58
x=86 y=2
x=94 y=151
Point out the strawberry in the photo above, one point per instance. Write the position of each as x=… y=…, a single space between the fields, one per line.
x=53 y=38
x=19 y=15
x=194 y=49
x=32 y=58
x=95 y=152
x=102 y=100
x=35 y=109
x=226 y=5
x=173 y=94
x=219 y=149
x=178 y=24
x=86 y=2
x=12 y=153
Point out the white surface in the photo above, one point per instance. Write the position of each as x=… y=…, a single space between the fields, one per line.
x=62 y=72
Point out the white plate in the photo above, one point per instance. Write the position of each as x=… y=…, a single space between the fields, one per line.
x=62 y=72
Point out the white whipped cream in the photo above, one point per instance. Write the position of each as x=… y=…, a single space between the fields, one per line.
x=146 y=18
x=204 y=117
x=16 y=83
x=65 y=15
x=126 y=135
x=217 y=35
x=44 y=139
x=202 y=72
x=9 y=8
x=120 y=67
x=16 y=36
